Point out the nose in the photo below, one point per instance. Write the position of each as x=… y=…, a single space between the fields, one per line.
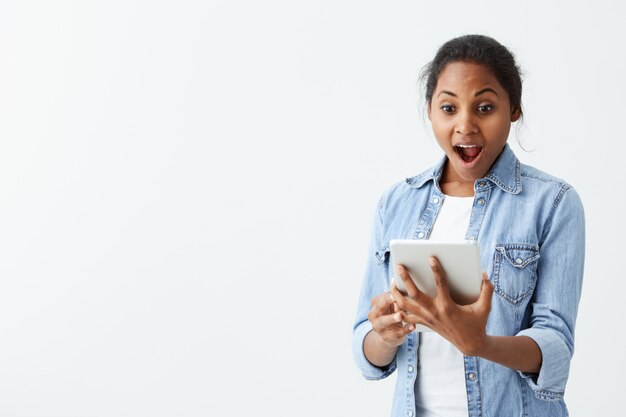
x=466 y=124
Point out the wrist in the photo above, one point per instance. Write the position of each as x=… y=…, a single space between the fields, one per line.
x=384 y=344
x=377 y=351
x=478 y=346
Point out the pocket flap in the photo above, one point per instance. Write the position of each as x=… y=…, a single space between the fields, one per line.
x=519 y=255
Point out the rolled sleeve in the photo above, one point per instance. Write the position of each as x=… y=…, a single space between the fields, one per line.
x=549 y=384
x=556 y=296
x=368 y=370
x=375 y=281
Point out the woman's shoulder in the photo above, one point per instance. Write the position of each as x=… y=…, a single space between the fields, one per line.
x=544 y=186
x=409 y=190
x=534 y=174
x=534 y=177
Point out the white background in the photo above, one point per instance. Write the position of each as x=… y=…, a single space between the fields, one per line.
x=186 y=191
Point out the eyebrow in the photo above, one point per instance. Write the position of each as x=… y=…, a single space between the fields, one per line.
x=484 y=90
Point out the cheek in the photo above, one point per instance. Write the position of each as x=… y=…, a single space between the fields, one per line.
x=441 y=128
x=443 y=139
x=499 y=128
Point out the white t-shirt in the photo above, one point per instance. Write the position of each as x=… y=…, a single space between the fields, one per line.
x=440 y=385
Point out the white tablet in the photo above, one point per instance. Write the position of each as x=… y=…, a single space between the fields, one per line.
x=459 y=260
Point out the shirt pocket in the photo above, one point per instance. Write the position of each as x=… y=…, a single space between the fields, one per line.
x=515 y=271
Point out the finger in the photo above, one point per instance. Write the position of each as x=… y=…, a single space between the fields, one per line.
x=396 y=308
x=411 y=289
x=400 y=301
x=441 y=281
x=383 y=322
x=378 y=306
x=400 y=333
x=425 y=319
x=377 y=299
x=486 y=293
x=409 y=306
x=383 y=303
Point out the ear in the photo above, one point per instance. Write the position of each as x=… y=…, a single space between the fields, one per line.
x=517 y=113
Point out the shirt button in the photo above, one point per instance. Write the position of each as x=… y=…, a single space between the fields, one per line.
x=472 y=238
x=420 y=235
x=472 y=376
x=519 y=261
x=481 y=202
x=435 y=200
x=409 y=413
x=410 y=368
x=482 y=184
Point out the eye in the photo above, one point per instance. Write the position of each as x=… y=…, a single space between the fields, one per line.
x=485 y=108
x=447 y=108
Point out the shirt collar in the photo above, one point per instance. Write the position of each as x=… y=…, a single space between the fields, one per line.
x=505 y=173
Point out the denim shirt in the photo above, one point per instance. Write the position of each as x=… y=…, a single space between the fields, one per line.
x=530 y=229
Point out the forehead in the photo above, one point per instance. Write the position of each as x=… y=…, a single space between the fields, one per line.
x=459 y=77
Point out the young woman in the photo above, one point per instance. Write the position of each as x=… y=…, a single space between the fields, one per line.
x=507 y=354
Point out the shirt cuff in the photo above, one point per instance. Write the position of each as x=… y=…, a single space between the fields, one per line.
x=368 y=370
x=549 y=384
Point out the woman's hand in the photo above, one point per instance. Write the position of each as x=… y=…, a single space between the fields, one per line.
x=388 y=330
x=462 y=325
x=387 y=320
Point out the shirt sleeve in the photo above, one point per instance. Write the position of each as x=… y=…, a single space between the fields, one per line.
x=375 y=281
x=557 y=294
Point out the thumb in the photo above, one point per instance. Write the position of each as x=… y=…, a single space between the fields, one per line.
x=486 y=293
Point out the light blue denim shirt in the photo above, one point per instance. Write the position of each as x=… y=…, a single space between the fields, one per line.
x=530 y=229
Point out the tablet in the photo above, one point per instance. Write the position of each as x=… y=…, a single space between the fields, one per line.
x=459 y=260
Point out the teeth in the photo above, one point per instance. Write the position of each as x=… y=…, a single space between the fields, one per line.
x=467 y=146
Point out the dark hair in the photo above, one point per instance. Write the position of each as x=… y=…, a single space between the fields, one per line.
x=482 y=50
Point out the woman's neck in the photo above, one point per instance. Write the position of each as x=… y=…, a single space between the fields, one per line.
x=453 y=185
x=457 y=188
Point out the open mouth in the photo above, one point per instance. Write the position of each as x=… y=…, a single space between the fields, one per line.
x=468 y=153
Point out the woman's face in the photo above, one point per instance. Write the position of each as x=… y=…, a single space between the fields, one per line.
x=471 y=117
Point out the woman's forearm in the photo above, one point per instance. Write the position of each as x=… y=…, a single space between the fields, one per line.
x=516 y=352
x=377 y=352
